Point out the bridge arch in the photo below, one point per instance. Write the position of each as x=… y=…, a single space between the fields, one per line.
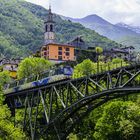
x=94 y=101
x=59 y=103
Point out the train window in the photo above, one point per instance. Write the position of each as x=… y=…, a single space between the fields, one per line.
x=68 y=70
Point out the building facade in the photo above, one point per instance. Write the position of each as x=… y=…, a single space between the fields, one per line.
x=126 y=53
x=10 y=65
x=58 y=52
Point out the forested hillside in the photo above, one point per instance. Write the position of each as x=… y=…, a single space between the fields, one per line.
x=22 y=29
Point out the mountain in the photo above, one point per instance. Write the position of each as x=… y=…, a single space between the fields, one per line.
x=130 y=27
x=22 y=29
x=117 y=33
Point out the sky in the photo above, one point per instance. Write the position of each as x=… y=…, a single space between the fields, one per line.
x=115 y=11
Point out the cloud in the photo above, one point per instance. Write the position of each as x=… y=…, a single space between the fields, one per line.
x=115 y=11
x=44 y=3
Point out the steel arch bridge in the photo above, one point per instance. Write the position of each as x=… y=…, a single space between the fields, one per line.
x=54 y=109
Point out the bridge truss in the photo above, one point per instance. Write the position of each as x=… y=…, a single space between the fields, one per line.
x=54 y=109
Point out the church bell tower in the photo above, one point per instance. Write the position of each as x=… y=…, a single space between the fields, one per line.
x=49 y=28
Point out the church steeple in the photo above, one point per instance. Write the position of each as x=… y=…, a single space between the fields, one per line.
x=49 y=28
x=50 y=16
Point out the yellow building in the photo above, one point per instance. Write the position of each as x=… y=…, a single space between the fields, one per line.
x=58 y=52
x=13 y=74
x=12 y=68
x=11 y=65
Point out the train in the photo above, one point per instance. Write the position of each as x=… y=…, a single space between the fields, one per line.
x=48 y=77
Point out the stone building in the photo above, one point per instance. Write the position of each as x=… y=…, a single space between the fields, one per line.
x=126 y=53
x=78 y=42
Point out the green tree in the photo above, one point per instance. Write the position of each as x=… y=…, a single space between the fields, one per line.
x=120 y=120
x=117 y=60
x=4 y=78
x=7 y=129
x=88 y=67
x=32 y=66
x=99 y=50
x=84 y=69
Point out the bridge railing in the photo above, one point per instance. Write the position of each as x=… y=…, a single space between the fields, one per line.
x=102 y=67
x=27 y=80
x=99 y=68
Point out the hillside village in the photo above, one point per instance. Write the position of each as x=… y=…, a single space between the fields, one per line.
x=69 y=51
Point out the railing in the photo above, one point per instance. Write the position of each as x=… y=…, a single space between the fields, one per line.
x=98 y=68
x=29 y=79
x=102 y=67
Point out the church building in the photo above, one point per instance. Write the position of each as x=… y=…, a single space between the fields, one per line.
x=52 y=50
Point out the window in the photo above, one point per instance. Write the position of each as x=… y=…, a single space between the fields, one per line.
x=51 y=28
x=67 y=49
x=75 y=52
x=60 y=57
x=67 y=53
x=59 y=53
x=60 y=48
x=45 y=53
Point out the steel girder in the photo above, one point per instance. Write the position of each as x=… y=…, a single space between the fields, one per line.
x=55 y=109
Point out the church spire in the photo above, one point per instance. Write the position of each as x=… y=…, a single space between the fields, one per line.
x=50 y=16
x=50 y=9
x=49 y=28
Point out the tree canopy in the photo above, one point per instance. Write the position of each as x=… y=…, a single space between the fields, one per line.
x=4 y=78
x=32 y=66
x=7 y=128
x=84 y=69
x=120 y=120
x=99 y=50
x=87 y=67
